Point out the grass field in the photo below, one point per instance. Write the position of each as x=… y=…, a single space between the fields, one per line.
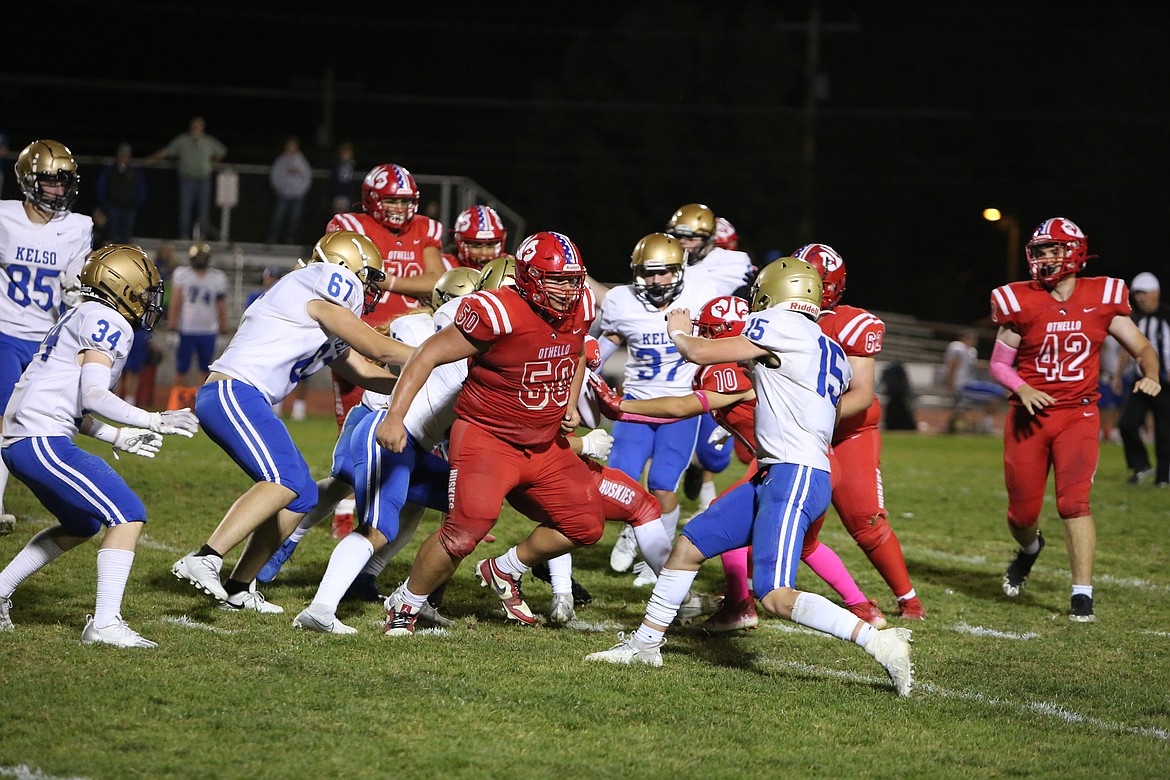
x=1004 y=689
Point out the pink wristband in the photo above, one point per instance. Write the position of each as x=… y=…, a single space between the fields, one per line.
x=703 y=400
x=644 y=418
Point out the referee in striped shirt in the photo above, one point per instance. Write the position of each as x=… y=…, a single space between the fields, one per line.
x=1153 y=320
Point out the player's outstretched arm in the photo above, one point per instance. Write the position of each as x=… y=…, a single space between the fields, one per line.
x=361 y=372
x=708 y=352
x=363 y=339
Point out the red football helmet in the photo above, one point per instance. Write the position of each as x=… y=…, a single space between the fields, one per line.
x=721 y=317
x=481 y=226
x=1057 y=248
x=549 y=274
x=395 y=183
x=831 y=267
x=726 y=236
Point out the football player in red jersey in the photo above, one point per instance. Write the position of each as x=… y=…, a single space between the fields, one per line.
x=725 y=390
x=857 y=445
x=479 y=236
x=525 y=345
x=1047 y=353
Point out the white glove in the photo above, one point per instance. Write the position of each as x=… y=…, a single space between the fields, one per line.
x=718 y=438
x=71 y=297
x=597 y=444
x=137 y=441
x=182 y=421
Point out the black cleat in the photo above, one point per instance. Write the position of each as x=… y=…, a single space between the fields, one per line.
x=693 y=481
x=1017 y=573
x=1082 y=609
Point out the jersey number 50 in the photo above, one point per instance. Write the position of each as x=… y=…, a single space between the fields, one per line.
x=546 y=382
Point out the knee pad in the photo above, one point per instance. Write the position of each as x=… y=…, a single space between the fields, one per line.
x=871 y=534
x=458 y=542
x=1068 y=507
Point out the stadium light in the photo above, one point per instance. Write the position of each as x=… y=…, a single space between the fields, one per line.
x=1010 y=225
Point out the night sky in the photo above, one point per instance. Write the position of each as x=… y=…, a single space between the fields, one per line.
x=600 y=119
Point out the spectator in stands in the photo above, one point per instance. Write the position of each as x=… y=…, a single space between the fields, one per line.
x=120 y=191
x=196 y=154
x=344 y=179
x=198 y=312
x=290 y=177
x=1153 y=320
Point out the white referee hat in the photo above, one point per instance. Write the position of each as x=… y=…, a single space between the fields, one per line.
x=1144 y=282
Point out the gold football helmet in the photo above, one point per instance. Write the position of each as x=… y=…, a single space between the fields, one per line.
x=48 y=162
x=357 y=253
x=656 y=254
x=694 y=220
x=497 y=273
x=453 y=284
x=124 y=278
x=788 y=283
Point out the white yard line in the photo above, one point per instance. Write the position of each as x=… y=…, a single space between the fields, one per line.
x=25 y=772
x=187 y=622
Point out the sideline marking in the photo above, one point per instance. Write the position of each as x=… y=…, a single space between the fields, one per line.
x=26 y=772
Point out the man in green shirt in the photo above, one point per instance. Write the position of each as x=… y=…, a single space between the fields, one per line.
x=195 y=153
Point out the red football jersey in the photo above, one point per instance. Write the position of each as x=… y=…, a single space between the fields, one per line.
x=1060 y=341
x=402 y=255
x=518 y=389
x=860 y=334
x=729 y=379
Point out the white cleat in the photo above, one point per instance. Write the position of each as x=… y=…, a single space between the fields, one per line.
x=630 y=651
x=561 y=611
x=5 y=616
x=7 y=523
x=321 y=621
x=646 y=575
x=625 y=550
x=695 y=606
x=430 y=613
x=117 y=634
x=202 y=571
x=251 y=601
x=891 y=649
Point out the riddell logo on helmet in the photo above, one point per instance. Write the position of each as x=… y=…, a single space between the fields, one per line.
x=803 y=307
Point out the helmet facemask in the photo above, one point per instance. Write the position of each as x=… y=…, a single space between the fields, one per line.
x=657 y=293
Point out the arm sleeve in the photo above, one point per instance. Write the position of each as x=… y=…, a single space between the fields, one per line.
x=1002 y=368
x=96 y=397
x=608 y=347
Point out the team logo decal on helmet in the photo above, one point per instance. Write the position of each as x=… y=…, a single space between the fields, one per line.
x=124 y=278
x=1057 y=248
x=395 y=183
x=721 y=317
x=726 y=236
x=549 y=274
x=48 y=162
x=831 y=267
x=479 y=235
x=653 y=256
x=790 y=284
x=357 y=253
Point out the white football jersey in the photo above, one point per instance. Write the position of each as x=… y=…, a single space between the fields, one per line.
x=411 y=329
x=47 y=399
x=432 y=412
x=796 y=404
x=36 y=261
x=278 y=344
x=200 y=291
x=654 y=367
x=722 y=269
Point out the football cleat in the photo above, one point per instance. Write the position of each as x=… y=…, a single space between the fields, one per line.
x=252 y=601
x=507 y=589
x=695 y=605
x=321 y=621
x=630 y=651
x=869 y=612
x=911 y=609
x=1019 y=569
x=278 y=559
x=645 y=575
x=430 y=613
x=400 y=616
x=1082 y=609
x=891 y=649
x=561 y=611
x=117 y=634
x=363 y=588
x=5 y=615
x=1140 y=475
x=202 y=571
x=625 y=550
x=733 y=617
x=692 y=481
x=7 y=524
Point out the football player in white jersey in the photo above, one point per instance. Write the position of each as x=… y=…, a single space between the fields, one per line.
x=198 y=312
x=633 y=315
x=42 y=248
x=799 y=375
x=712 y=256
x=68 y=381
x=306 y=321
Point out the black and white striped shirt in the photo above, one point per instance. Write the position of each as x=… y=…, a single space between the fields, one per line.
x=1156 y=327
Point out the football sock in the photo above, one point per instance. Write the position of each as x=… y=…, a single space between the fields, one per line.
x=908 y=595
x=560 y=573
x=1033 y=548
x=232 y=587
x=706 y=494
x=40 y=550
x=509 y=563
x=408 y=520
x=654 y=544
x=3 y=483
x=827 y=565
x=207 y=549
x=330 y=492
x=377 y=562
x=1082 y=590
x=648 y=636
x=887 y=559
x=408 y=598
x=297 y=534
x=113 y=569
x=670 y=521
x=735 y=575
x=817 y=612
x=346 y=562
x=669 y=593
